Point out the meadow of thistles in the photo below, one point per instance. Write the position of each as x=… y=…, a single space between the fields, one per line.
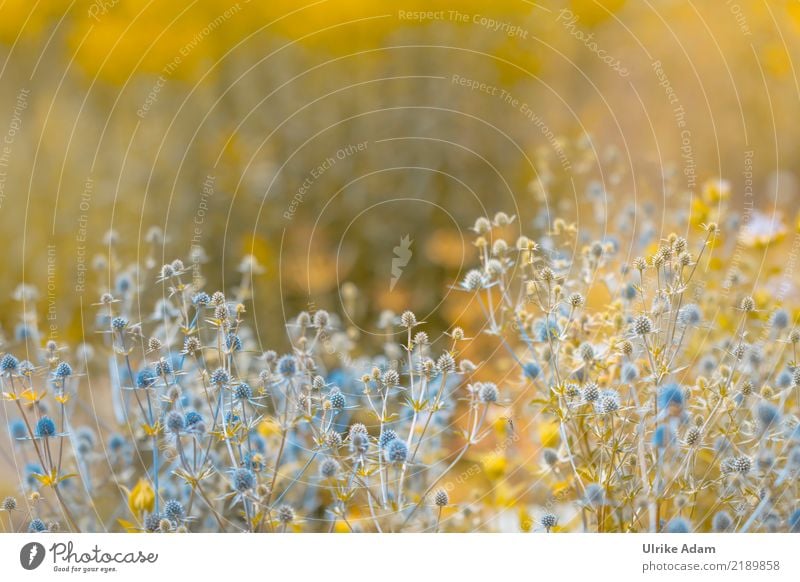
x=643 y=395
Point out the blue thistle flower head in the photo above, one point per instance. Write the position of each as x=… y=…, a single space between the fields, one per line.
x=23 y=332
x=243 y=391
x=780 y=319
x=396 y=451
x=63 y=370
x=488 y=392
x=119 y=323
x=768 y=414
x=629 y=292
x=670 y=395
x=532 y=370
x=152 y=522
x=123 y=284
x=45 y=427
x=546 y=329
x=145 y=378
x=784 y=379
x=9 y=364
x=26 y=368
x=192 y=418
x=243 y=480
x=37 y=526
x=201 y=298
x=220 y=376
x=609 y=401
x=387 y=436
x=17 y=429
x=259 y=444
x=175 y=422
x=678 y=525
x=328 y=468
x=233 y=342
x=231 y=417
x=287 y=366
x=663 y=436
x=174 y=511
x=690 y=315
x=629 y=372
x=163 y=368
x=359 y=443
x=337 y=400
x=722 y=521
x=116 y=442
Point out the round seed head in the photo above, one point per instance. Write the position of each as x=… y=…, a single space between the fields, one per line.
x=396 y=451
x=693 y=436
x=591 y=393
x=690 y=315
x=408 y=319
x=446 y=363
x=421 y=339
x=175 y=422
x=37 y=526
x=191 y=345
x=642 y=325
x=286 y=514
x=608 y=402
x=532 y=370
x=549 y=521
x=473 y=280
x=45 y=427
x=550 y=456
x=359 y=443
x=287 y=366
x=488 y=392
x=328 y=468
x=576 y=300
x=220 y=377
x=722 y=522
x=482 y=225
x=243 y=480
x=441 y=498
x=337 y=400
x=333 y=439
x=768 y=414
x=174 y=511
x=387 y=436
x=391 y=378
x=748 y=304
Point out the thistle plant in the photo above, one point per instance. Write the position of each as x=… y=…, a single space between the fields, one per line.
x=610 y=394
